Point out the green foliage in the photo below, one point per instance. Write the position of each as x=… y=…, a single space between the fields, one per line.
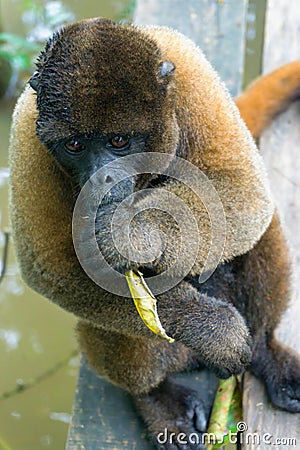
x=127 y=12
x=41 y=18
x=18 y=51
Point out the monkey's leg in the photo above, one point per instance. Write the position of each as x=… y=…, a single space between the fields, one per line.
x=279 y=367
x=175 y=416
x=268 y=96
x=265 y=280
x=137 y=364
x=140 y=366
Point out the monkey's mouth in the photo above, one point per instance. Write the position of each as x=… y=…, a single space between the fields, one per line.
x=149 y=180
x=131 y=187
x=118 y=193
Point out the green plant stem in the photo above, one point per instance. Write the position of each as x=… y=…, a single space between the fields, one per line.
x=220 y=411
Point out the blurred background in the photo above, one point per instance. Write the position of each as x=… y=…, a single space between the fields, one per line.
x=38 y=351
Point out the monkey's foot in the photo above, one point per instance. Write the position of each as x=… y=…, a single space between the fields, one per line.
x=284 y=385
x=175 y=417
x=279 y=367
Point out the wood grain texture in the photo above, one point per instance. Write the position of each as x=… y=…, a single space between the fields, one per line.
x=280 y=148
x=104 y=417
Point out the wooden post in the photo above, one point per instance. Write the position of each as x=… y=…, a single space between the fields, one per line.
x=280 y=149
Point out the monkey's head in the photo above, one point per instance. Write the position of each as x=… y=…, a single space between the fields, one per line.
x=103 y=92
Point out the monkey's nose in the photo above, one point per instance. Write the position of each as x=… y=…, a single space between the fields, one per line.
x=104 y=181
x=108 y=179
x=106 y=176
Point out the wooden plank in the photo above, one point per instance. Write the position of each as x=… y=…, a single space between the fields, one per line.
x=280 y=147
x=218 y=27
x=254 y=39
x=103 y=416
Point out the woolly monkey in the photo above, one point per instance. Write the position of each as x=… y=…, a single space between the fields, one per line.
x=104 y=91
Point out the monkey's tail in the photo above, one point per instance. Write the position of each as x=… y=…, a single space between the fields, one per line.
x=268 y=96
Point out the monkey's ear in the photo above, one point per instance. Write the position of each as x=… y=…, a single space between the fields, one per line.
x=34 y=81
x=166 y=70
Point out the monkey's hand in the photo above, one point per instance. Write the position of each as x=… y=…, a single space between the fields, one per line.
x=146 y=235
x=145 y=241
x=215 y=330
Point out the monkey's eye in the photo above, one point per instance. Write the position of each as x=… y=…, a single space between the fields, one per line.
x=74 y=146
x=118 y=142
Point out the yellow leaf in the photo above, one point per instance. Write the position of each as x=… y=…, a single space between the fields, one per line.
x=145 y=303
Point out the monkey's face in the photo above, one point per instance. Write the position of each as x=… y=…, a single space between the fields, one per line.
x=103 y=92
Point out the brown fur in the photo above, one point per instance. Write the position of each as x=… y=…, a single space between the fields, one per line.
x=193 y=114
x=268 y=96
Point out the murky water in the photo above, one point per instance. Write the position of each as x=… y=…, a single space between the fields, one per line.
x=37 y=345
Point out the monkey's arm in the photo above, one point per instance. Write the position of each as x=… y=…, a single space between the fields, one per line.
x=163 y=238
x=41 y=205
x=268 y=96
x=214 y=334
